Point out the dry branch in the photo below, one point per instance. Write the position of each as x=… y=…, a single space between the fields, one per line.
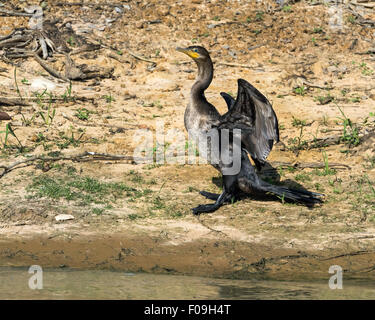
x=49 y=69
x=118 y=58
x=17 y=102
x=139 y=57
x=12 y=102
x=81 y=157
x=88 y=4
x=97 y=124
x=8 y=36
x=8 y=13
x=236 y=65
x=306 y=165
x=324 y=142
x=85 y=48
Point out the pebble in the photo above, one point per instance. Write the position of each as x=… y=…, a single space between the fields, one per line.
x=233 y=54
x=64 y=217
x=42 y=84
x=118 y=10
x=139 y=24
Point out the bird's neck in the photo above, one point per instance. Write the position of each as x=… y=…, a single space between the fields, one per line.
x=203 y=80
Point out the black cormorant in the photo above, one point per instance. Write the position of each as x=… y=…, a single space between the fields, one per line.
x=253 y=114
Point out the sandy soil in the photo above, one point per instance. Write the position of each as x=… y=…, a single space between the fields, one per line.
x=137 y=217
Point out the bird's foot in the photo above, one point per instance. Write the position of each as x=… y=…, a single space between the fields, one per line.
x=205 y=208
x=210 y=195
x=220 y=200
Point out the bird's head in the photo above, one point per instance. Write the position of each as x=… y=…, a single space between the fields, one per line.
x=197 y=53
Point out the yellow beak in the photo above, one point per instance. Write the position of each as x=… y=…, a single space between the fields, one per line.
x=190 y=53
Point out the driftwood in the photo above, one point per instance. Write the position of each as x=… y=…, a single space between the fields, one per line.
x=94 y=156
x=360 y=20
x=136 y=56
x=8 y=36
x=312 y=85
x=80 y=157
x=140 y=58
x=12 y=102
x=26 y=43
x=237 y=65
x=88 y=4
x=118 y=58
x=299 y=165
x=8 y=13
x=256 y=46
x=85 y=48
x=324 y=142
x=49 y=69
x=84 y=72
x=17 y=102
x=72 y=72
x=99 y=124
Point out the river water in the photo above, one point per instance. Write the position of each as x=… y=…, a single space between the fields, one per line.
x=98 y=284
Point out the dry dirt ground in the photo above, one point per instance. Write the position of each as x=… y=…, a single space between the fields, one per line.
x=137 y=217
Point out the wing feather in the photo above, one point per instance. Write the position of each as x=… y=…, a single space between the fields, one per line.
x=254 y=115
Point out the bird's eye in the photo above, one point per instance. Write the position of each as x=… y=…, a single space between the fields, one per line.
x=195 y=50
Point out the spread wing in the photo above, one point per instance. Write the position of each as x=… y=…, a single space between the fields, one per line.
x=254 y=115
x=228 y=99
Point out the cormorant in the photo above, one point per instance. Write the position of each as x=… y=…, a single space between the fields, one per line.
x=253 y=114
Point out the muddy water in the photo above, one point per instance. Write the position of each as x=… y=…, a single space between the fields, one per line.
x=94 y=284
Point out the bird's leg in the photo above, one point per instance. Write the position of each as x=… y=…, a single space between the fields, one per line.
x=258 y=165
x=205 y=208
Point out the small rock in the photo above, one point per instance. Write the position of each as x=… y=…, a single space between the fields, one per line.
x=233 y=54
x=139 y=24
x=64 y=217
x=109 y=20
x=332 y=69
x=5 y=116
x=42 y=84
x=342 y=69
x=164 y=11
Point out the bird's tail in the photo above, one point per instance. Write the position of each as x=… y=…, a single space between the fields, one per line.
x=306 y=197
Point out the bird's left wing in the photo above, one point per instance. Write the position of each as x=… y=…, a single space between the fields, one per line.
x=229 y=100
x=254 y=115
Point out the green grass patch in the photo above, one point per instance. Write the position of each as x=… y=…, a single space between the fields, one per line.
x=303 y=177
x=300 y=90
x=82 y=114
x=82 y=190
x=350 y=134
